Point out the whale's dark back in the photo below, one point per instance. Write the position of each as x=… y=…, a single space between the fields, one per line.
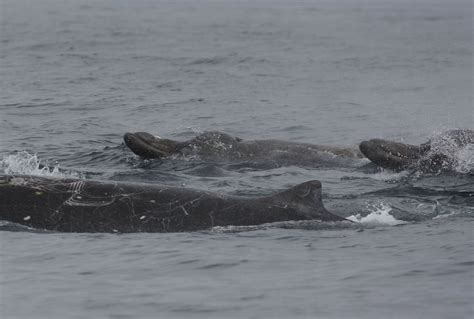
x=71 y=205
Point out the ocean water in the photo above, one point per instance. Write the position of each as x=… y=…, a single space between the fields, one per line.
x=76 y=75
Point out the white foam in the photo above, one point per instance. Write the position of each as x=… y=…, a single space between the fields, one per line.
x=443 y=143
x=387 y=175
x=465 y=159
x=380 y=215
x=27 y=164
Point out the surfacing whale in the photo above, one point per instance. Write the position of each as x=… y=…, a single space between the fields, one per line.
x=437 y=155
x=224 y=147
x=77 y=205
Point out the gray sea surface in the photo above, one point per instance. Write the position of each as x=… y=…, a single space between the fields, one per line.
x=76 y=75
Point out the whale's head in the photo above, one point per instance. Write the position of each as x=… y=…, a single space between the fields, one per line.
x=443 y=152
x=149 y=146
x=392 y=155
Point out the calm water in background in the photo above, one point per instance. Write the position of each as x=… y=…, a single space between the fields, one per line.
x=76 y=75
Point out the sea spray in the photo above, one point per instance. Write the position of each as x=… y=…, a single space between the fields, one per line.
x=29 y=164
x=380 y=215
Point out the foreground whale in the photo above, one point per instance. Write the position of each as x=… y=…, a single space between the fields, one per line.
x=76 y=205
x=224 y=147
x=436 y=155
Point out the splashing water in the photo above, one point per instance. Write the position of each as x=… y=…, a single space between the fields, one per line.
x=28 y=164
x=457 y=147
x=380 y=215
x=465 y=156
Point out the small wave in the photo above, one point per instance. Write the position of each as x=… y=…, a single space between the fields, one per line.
x=390 y=176
x=445 y=215
x=380 y=215
x=454 y=212
x=207 y=170
x=291 y=224
x=238 y=229
x=209 y=61
x=29 y=164
x=14 y=227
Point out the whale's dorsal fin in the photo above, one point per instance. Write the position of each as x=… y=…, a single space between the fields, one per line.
x=306 y=198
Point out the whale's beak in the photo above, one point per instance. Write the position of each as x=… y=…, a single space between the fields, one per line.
x=392 y=155
x=148 y=146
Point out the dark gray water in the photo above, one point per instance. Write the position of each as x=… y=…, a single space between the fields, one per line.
x=76 y=75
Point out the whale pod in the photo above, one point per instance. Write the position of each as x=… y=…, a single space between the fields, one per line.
x=79 y=205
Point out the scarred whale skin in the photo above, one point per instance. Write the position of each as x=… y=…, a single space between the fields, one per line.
x=78 y=205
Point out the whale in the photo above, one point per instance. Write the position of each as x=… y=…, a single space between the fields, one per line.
x=219 y=146
x=92 y=206
x=438 y=154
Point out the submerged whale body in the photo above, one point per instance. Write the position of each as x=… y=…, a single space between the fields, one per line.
x=76 y=205
x=224 y=147
x=436 y=155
